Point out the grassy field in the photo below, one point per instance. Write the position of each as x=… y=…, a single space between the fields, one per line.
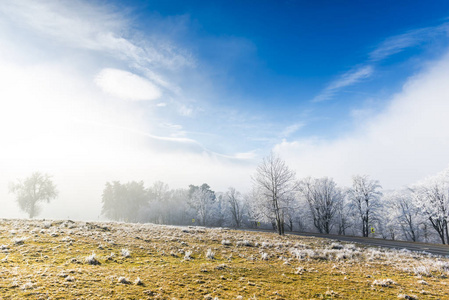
x=82 y=260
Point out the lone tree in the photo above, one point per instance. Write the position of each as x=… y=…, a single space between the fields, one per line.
x=32 y=190
x=275 y=184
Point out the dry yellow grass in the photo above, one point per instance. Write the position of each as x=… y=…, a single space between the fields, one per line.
x=79 y=260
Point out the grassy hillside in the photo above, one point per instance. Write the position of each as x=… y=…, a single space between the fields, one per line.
x=79 y=260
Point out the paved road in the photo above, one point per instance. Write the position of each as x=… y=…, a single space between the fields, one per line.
x=437 y=249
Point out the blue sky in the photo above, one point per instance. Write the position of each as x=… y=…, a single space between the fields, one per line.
x=189 y=92
x=277 y=61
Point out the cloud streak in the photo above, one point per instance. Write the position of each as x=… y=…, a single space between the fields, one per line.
x=347 y=79
x=399 y=43
x=389 y=47
x=83 y=25
x=126 y=85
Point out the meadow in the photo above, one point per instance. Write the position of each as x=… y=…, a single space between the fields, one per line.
x=42 y=259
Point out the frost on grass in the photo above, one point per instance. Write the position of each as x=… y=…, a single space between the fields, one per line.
x=123 y=280
x=244 y=243
x=226 y=242
x=125 y=253
x=210 y=254
x=288 y=255
x=19 y=240
x=138 y=281
x=336 y=246
x=409 y=297
x=27 y=286
x=91 y=259
x=384 y=282
x=188 y=255
x=266 y=245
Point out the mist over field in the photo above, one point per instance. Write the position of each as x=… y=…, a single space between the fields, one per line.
x=101 y=91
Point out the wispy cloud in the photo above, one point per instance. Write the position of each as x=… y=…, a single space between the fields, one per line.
x=126 y=85
x=84 y=25
x=390 y=46
x=289 y=130
x=399 y=43
x=349 y=78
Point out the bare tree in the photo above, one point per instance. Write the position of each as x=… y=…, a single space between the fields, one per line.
x=364 y=197
x=324 y=198
x=235 y=206
x=275 y=184
x=32 y=190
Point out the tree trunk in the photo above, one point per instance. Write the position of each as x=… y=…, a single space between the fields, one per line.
x=446 y=231
x=32 y=210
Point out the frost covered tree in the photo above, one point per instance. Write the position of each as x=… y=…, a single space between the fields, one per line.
x=32 y=190
x=387 y=222
x=364 y=198
x=254 y=210
x=342 y=216
x=274 y=184
x=202 y=200
x=122 y=202
x=235 y=205
x=431 y=196
x=402 y=211
x=159 y=203
x=323 y=198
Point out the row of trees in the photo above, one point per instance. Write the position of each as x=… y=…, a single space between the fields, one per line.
x=278 y=200
x=406 y=214
x=199 y=205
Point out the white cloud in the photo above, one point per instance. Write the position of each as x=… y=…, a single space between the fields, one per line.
x=289 y=130
x=246 y=155
x=184 y=110
x=407 y=141
x=349 y=78
x=126 y=85
x=102 y=29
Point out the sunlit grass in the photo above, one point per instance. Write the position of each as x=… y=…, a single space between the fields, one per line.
x=79 y=260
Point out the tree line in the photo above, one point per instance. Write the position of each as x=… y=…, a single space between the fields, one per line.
x=277 y=200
